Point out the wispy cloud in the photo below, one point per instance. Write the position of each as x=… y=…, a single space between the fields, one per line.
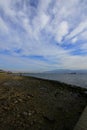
x=51 y=32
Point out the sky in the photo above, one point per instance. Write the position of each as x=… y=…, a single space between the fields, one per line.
x=42 y=35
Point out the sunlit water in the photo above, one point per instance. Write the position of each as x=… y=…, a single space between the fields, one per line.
x=73 y=79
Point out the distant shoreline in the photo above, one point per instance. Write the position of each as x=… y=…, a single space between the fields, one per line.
x=78 y=80
x=50 y=80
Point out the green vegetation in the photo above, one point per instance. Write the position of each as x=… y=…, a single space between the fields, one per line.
x=28 y=103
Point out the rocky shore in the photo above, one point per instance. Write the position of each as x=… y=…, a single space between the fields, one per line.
x=28 y=103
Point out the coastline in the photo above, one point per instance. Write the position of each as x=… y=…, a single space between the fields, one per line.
x=71 y=79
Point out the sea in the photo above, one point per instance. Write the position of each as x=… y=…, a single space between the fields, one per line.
x=79 y=79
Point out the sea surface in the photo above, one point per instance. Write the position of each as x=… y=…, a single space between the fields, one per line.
x=73 y=79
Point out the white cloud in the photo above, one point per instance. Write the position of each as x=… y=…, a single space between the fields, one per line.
x=79 y=29
x=50 y=23
x=6 y=5
x=3 y=26
x=74 y=40
x=42 y=20
x=74 y=62
x=62 y=31
x=23 y=64
x=83 y=35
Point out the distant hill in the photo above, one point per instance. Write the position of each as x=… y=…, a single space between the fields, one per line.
x=2 y=70
x=66 y=71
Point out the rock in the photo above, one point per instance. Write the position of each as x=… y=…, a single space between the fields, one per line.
x=29 y=113
x=18 y=115
x=85 y=92
x=49 y=118
x=20 y=100
x=30 y=95
x=5 y=108
x=31 y=123
x=25 y=113
x=15 y=101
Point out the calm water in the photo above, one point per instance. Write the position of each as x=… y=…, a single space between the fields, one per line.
x=74 y=79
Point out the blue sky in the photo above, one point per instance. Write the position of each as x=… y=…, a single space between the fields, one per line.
x=40 y=35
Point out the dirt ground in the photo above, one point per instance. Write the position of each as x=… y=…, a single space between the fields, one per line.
x=28 y=103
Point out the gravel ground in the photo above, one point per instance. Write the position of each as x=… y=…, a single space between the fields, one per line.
x=28 y=103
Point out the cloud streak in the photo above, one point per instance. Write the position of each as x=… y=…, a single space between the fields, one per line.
x=51 y=32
